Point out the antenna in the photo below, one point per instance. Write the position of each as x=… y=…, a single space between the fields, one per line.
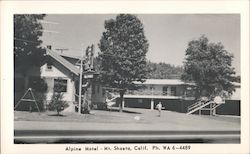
x=62 y=49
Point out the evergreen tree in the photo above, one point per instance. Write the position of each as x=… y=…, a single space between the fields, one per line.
x=163 y=71
x=29 y=53
x=27 y=49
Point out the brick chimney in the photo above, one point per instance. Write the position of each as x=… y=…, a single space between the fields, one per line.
x=49 y=47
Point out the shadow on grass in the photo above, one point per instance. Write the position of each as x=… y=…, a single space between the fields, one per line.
x=125 y=111
x=57 y=115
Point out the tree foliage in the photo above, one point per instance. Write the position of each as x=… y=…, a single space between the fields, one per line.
x=38 y=84
x=27 y=49
x=123 y=52
x=163 y=71
x=209 y=66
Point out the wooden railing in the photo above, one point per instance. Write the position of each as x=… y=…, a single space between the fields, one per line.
x=149 y=92
x=202 y=105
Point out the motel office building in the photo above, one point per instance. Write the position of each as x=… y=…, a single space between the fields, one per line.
x=56 y=70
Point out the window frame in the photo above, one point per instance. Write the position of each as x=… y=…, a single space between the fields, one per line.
x=63 y=84
x=49 y=65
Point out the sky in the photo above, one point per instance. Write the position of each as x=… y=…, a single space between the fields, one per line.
x=168 y=34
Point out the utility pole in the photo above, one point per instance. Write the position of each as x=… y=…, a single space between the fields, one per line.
x=80 y=86
x=88 y=59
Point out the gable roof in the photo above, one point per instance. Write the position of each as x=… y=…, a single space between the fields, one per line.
x=70 y=56
x=63 y=61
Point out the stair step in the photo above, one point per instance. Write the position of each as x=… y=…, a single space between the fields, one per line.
x=199 y=107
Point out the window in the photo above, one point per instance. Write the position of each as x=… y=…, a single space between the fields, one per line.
x=165 y=90
x=60 y=85
x=49 y=65
x=189 y=92
x=151 y=87
x=173 y=91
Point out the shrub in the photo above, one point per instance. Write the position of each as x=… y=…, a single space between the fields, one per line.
x=57 y=104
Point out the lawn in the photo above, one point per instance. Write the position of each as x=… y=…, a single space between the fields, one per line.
x=134 y=119
x=96 y=116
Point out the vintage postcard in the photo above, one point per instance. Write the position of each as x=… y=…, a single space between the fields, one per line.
x=124 y=77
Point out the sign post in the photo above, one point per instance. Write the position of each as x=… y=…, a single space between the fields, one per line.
x=89 y=74
x=80 y=87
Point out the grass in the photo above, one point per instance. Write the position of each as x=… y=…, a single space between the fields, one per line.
x=134 y=119
x=95 y=116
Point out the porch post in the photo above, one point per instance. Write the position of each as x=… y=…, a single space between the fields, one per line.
x=214 y=110
x=152 y=104
x=210 y=107
x=73 y=91
x=123 y=103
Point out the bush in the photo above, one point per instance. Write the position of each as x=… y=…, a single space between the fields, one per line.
x=57 y=104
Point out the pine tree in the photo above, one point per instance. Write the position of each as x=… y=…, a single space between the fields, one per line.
x=27 y=45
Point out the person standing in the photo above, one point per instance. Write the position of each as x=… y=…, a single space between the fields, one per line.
x=159 y=107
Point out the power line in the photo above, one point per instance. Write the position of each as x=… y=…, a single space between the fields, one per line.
x=48 y=22
x=24 y=40
x=50 y=31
